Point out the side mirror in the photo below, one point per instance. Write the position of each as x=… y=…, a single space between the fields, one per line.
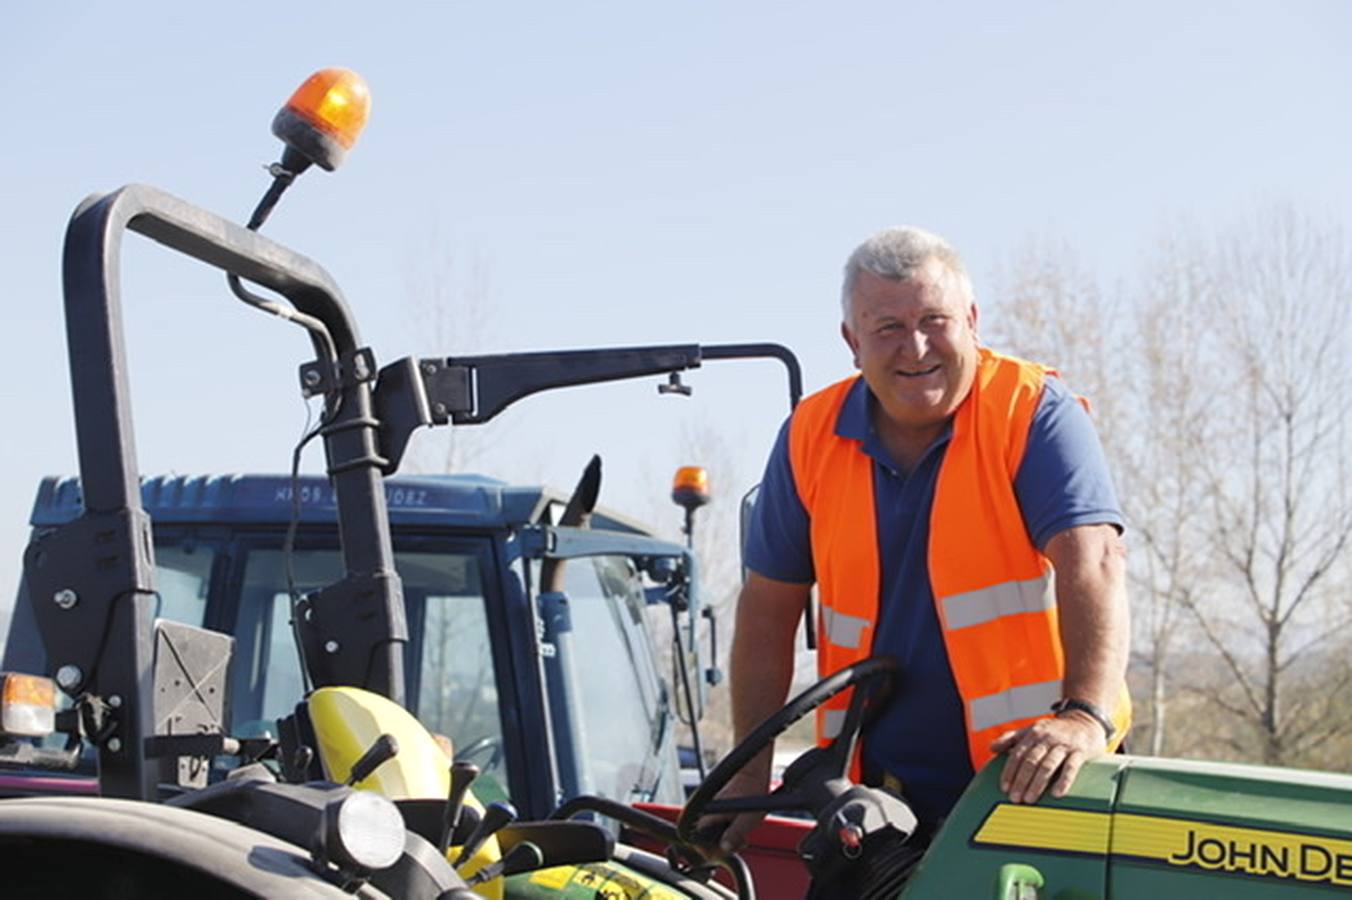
x=744 y=524
x=677 y=587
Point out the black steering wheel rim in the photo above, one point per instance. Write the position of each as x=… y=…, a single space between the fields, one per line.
x=697 y=804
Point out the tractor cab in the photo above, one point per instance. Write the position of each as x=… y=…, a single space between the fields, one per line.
x=483 y=661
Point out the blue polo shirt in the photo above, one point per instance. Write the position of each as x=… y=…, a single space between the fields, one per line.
x=1062 y=482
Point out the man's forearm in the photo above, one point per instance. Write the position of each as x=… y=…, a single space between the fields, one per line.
x=762 y=650
x=1091 y=602
x=1092 y=605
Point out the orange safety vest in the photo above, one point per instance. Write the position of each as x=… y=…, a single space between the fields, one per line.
x=993 y=590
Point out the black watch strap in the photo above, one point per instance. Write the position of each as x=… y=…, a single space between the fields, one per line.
x=1067 y=704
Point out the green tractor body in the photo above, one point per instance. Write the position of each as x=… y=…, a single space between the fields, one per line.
x=1139 y=827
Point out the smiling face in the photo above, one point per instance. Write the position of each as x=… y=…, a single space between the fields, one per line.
x=915 y=343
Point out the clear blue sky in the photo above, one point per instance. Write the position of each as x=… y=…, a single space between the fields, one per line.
x=618 y=173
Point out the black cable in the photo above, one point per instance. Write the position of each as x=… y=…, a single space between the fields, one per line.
x=333 y=402
x=288 y=546
x=685 y=688
x=290 y=314
x=283 y=174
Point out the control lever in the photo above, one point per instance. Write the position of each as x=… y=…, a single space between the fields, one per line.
x=462 y=776
x=469 y=821
x=496 y=816
x=382 y=751
x=524 y=857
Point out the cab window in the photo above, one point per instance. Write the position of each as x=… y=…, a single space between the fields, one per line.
x=450 y=676
x=624 y=709
x=182 y=580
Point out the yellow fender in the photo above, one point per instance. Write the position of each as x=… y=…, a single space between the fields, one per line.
x=347 y=722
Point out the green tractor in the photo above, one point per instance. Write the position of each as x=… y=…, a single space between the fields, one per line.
x=348 y=793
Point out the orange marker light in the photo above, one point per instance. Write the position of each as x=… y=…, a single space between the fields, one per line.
x=325 y=116
x=27 y=705
x=690 y=487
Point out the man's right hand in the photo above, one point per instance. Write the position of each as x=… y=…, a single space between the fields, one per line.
x=753 y=781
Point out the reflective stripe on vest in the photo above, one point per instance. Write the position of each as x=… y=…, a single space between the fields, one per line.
x=1008 y=599
x=993 y=590
x=844 y=630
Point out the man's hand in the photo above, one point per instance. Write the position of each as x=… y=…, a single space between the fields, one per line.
x=753 y=781
x=1047 y=749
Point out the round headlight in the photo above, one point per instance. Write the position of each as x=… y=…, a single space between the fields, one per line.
x=365 y=830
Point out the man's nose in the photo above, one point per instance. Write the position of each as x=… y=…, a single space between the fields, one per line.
x=914 y=344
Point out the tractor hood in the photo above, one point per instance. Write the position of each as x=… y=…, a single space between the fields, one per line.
x=1145 y=827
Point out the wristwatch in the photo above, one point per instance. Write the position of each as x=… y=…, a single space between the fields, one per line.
x=1066 y=704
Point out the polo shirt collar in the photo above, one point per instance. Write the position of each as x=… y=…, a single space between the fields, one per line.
x=855 y=422
x=852 y=422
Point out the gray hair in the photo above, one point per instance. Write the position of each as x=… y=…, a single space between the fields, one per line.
x=898 y=253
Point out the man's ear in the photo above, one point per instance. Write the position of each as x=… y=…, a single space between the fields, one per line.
x=851 y=341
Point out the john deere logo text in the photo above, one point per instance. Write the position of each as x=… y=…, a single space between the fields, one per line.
x=1160 y=840
x=1288 y=857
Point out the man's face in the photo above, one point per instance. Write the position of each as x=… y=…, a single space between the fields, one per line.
x=915 y=343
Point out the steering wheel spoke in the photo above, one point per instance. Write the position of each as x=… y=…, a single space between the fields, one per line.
x=840 y=752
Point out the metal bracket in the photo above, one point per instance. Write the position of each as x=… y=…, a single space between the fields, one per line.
x=675 y=385
x=343 y=626
x=76 y=572
x=19 y=754
x=450 y=391
x=402 y=406
x=321 y=376
x=208 y=745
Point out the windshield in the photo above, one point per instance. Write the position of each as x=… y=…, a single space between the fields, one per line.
x=450 y=676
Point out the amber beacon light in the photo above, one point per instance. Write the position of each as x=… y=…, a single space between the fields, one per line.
x=325 y=116
x=690 y=487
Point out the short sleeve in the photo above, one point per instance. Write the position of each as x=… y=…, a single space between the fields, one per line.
x=1063 y=480
x=778 y=541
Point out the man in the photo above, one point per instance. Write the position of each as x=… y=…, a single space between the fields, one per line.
x=930 y=500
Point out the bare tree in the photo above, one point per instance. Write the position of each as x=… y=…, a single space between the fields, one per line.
x=1222 y=396
x=1160 y=439
x=1048 y=308
x=1280 y=511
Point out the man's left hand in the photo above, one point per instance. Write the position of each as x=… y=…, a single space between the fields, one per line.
x=1047 y=749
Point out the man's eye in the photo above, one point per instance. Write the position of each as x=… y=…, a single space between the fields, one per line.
x=933 y=321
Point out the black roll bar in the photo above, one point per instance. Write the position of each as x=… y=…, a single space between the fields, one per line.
x=92 y=581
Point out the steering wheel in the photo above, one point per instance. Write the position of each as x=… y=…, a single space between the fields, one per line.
x=868 y=675
x=490 y=746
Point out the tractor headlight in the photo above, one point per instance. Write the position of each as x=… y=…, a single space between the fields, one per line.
x=363 y=830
